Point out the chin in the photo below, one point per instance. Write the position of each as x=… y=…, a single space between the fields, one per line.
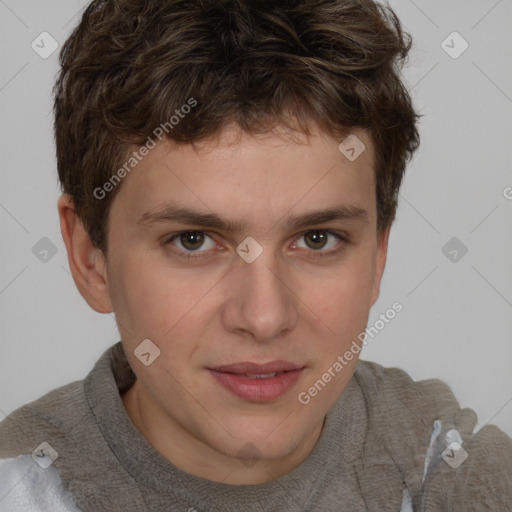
x=269 y=438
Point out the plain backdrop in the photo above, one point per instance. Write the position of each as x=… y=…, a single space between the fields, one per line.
x=456 y=321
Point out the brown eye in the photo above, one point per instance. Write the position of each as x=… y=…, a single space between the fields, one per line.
x=192 y=240
x=316 y=239
x=186 y=243
x=322 y=243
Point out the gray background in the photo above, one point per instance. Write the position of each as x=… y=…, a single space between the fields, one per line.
x=456 y=321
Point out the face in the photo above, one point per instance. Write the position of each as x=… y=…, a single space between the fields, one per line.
x=216 y=257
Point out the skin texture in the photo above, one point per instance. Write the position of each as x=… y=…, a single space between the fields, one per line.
x=214 y=309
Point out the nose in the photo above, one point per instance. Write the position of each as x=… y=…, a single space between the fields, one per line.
x=260 y=301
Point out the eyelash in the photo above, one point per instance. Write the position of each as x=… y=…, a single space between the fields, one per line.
x=315 y=254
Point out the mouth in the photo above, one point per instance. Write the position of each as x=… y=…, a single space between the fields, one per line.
x=258 y=376
x=258 y=382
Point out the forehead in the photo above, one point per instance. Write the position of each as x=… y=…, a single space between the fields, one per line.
x=251 y=177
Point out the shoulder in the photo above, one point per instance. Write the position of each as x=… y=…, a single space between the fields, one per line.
x=395 y=384
x=26 y=486
x=51 y=416
x=63 y=414
x=392 y=390
x=456 y=468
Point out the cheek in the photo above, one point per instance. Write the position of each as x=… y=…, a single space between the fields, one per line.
x=154 y=303
x=148 y=299
x=345 y=299
x=344 y=308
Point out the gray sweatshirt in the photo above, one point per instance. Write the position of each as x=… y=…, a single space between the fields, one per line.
x=388 y=444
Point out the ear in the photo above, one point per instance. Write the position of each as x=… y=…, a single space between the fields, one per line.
x=86 y=261
x=382 y=251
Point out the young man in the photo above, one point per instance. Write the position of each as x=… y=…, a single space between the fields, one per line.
x=230 y=173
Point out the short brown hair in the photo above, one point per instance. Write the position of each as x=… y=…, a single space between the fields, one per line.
x=130 y=64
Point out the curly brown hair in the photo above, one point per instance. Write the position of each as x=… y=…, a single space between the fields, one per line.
x=130 y=64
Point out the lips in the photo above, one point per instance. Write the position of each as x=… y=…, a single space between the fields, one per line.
x=257 y=382
x=248 y=368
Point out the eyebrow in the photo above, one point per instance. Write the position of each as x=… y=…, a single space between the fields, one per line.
x=186 y=215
